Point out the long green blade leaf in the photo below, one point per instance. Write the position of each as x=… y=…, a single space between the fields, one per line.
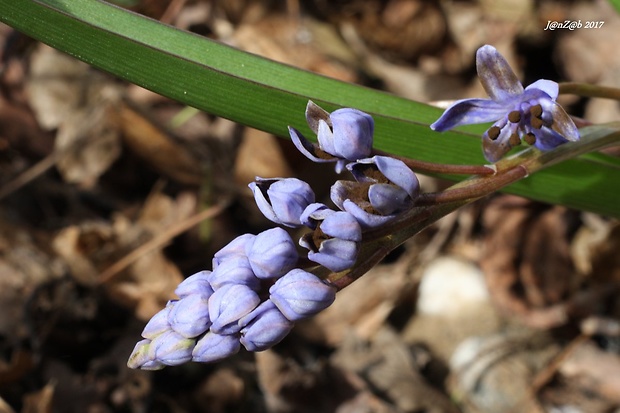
x=260 y=93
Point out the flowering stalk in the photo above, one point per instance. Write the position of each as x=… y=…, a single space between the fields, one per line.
x=261 y=285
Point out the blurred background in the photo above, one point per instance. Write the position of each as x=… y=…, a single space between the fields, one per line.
x=110 y=195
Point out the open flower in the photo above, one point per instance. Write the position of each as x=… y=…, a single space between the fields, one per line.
x=529 y=114
x=344 y=135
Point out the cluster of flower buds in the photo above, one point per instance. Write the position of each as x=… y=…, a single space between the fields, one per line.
x=256 y=292
x=383 y=188
x=221 y=310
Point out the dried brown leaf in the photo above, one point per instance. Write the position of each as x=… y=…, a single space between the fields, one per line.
x=24 y=266
x=89 y=143
x=421 y=25
x=494 y=373
x=158 y=148
x=362 y=307
x=587 y=378
x=57 y=85
x=68 y=96
x=307 y=44
x=21 y=132
x=259 y=155
x=527 y=262
x=309 y=386
x=40 y=401
x=388 y=365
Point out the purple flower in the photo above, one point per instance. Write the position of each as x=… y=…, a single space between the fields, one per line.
x=385 y=187
x=213 y=347
x=233 y=248
x=529 y=114
x=282 y=200
x=234 y=270
x=190 y=315
x=171 y=348
x=300 y=294
x=345 y=134
x=264 y=327
x=334 y=243
x=272 y=253
x=228 y=304
x=195 y=284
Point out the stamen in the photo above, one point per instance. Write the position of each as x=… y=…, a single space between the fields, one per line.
x=530 y=138
x=536 y=123
x=493 y=132
x=514 y=140
x=514 y=116
x=536 y=111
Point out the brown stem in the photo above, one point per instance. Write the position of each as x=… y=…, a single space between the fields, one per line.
x=431 y=167
x=344 y=279
x=474 y=190
x=587 y=90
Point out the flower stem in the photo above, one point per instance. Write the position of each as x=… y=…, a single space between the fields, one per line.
x=587 y=90
x=431 y=167
x=476 y=188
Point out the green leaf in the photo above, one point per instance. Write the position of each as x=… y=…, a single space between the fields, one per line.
x=266 y=95
x=615 y=4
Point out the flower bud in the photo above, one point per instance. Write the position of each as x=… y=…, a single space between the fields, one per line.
x=228 y=304
x=335 y=240
x=282 y=200
x=171 y=348
x=272 y=253
x=264 y=327
x=190 y=315
x=387 y=199
x=195 y=284
x=300 y=294
x=213 y=347
x=359 y=210
x=159 y=322
x=384 y=169
x=140 y=359
x=345 y=134
x=234 y=270
x=385 y=187
x=234 y=247
x=349 y=136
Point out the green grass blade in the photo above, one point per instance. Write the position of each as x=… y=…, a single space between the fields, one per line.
x=263 y=94
x=615 y=4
